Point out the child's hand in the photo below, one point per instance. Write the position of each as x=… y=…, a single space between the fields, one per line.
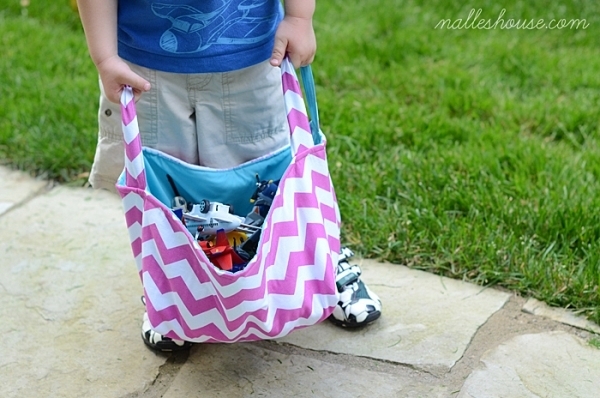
x=296 y=37
x=115 y=74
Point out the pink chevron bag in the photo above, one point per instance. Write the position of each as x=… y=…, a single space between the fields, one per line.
x=288 y=284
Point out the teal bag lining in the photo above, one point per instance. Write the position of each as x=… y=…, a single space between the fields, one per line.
x=232 y=186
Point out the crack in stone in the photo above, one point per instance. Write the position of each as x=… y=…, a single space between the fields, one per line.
x=415 y=368
x=40 y=191
x=164 y=377
x=477 y=332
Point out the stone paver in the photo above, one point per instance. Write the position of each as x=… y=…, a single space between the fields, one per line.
x=16 y=187
x=536 y=307
x=552 y=364
x=245 y=370
x=69 y=300
x=428 y=323
x=70 y=316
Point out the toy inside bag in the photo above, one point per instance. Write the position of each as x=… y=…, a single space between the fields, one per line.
x=228 y=240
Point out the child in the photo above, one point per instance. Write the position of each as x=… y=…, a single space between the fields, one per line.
x=204 y=63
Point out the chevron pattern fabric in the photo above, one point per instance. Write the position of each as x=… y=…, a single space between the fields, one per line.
x=289 y=284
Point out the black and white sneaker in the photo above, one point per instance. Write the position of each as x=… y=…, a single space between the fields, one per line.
x=357 y=305
x=159 y=342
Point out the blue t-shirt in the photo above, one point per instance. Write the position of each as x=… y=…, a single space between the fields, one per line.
x=197 y=36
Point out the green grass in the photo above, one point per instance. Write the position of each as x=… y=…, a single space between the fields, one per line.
x=48 y=91
x=468 y=153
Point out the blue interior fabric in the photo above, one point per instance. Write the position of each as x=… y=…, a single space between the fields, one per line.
x=232 y=186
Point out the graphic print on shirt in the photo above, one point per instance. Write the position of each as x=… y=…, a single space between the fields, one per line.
x=229 y=22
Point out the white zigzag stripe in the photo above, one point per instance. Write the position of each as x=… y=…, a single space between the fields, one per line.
x=126 y=96
x=130 y=131
x=271 y=302
x=295 y=101
x=301 y=137
x=331 y=228
x=132 y=200
x=325 y=197
x=301 y=184
x=169 y=238
x=318 y=303
x=138 y=262
x=135 y=167
x=291 y=187
x=290 y=244
x=135 y=231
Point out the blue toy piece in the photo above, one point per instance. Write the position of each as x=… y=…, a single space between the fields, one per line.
x=262 y=198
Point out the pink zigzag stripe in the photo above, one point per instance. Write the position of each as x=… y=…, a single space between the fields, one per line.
x=133 y=215
x=131 y=181
x=298 y=119
x=128 y=112
x=290 y=83
x=134 y=148
x=303 y=311
x=136 y=247
x=328 y=285
x=300 y=259
x=300 y=164
x=132 y=151
x=169 y=255
x=290 y=229
x=296 y=170
x=309 y=199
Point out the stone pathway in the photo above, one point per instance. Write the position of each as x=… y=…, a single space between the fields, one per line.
x=70 y=314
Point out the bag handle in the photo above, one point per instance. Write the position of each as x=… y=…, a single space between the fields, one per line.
x=135 y=173
x=303 y=133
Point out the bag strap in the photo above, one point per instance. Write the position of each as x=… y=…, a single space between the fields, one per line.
x=308 y=82
x=135 y=173
x=303 y=133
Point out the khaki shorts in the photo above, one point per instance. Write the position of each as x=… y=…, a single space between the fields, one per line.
x=218 y=120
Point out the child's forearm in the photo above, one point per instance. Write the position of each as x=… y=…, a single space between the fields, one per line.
x=299 y=8
x=99 y=20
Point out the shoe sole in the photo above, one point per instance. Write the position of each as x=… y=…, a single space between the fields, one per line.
x=168 y=347
x=370 y=318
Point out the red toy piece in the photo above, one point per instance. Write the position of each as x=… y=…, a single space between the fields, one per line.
x=220 y=253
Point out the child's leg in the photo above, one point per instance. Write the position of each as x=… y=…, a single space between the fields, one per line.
x=240 y=115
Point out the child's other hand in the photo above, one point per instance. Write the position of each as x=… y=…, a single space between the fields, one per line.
x=115 y=74
x=296 y=37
